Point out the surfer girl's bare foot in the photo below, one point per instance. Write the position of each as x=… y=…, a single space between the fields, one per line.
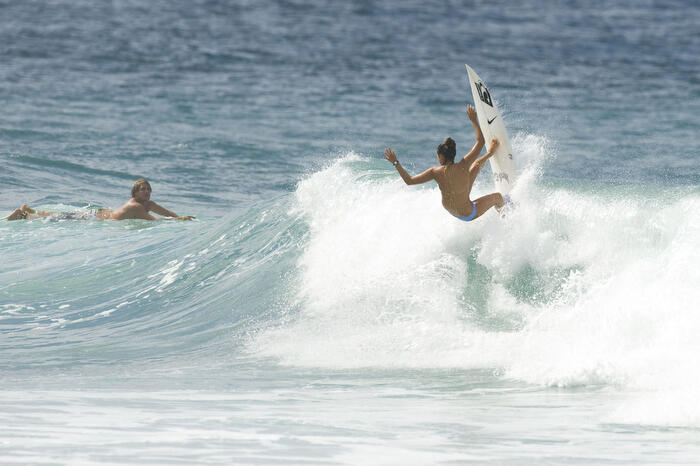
x=505 y=206
x=500 y=202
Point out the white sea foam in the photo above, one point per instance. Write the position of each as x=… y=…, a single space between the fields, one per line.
x=385 y=281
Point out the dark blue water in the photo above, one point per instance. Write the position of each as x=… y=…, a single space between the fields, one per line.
x=205 y=94
x=318 y=309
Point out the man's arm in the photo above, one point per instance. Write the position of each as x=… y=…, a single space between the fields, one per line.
x=424 y=177
x=479 y=144
x=161 y=210
x=166 y=213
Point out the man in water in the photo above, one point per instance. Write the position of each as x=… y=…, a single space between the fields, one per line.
x=138 y=206
x=455 y=179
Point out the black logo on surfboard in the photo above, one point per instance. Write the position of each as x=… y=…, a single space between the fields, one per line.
x=491 y=120
x=484 y=94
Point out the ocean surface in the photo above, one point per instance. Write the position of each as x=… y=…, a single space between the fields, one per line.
x=318 y=310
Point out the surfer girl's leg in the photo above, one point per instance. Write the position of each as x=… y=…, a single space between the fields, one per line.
x=484 y=203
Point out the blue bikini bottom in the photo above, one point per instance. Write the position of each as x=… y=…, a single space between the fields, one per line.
x=471 y=216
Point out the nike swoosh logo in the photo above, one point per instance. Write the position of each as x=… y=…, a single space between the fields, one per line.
x=491 y=120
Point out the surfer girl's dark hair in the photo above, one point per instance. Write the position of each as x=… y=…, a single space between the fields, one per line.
x=448 y=149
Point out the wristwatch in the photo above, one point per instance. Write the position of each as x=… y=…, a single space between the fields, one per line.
x=395 y=162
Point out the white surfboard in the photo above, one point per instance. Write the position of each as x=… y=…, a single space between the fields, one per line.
x=492 y=126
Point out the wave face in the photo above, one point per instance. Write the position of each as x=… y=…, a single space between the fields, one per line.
x=580 y=284
x=129 y=292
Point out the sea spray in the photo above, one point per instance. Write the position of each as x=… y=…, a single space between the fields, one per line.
x=383 y=275
x=575 y=286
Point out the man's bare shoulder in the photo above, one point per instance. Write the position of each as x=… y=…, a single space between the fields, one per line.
x=149 y=205
x=131 y=209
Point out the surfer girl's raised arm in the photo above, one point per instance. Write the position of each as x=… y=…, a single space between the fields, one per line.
x=424 y=177
x=492 y=150
x=479 y=144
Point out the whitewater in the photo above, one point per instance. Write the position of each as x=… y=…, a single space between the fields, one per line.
x=570 y=288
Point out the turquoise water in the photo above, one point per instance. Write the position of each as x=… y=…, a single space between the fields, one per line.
x=319 y=310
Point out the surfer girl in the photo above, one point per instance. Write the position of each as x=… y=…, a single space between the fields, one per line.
x=455 y=179
x=138 y=207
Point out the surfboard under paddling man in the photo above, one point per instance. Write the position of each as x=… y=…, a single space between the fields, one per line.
x=138 y=207
x=455 y=179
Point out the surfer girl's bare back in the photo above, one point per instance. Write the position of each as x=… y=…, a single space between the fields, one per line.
x=455 y=185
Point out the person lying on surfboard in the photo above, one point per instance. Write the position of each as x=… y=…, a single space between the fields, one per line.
x=455 y=179
x=138 y=207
